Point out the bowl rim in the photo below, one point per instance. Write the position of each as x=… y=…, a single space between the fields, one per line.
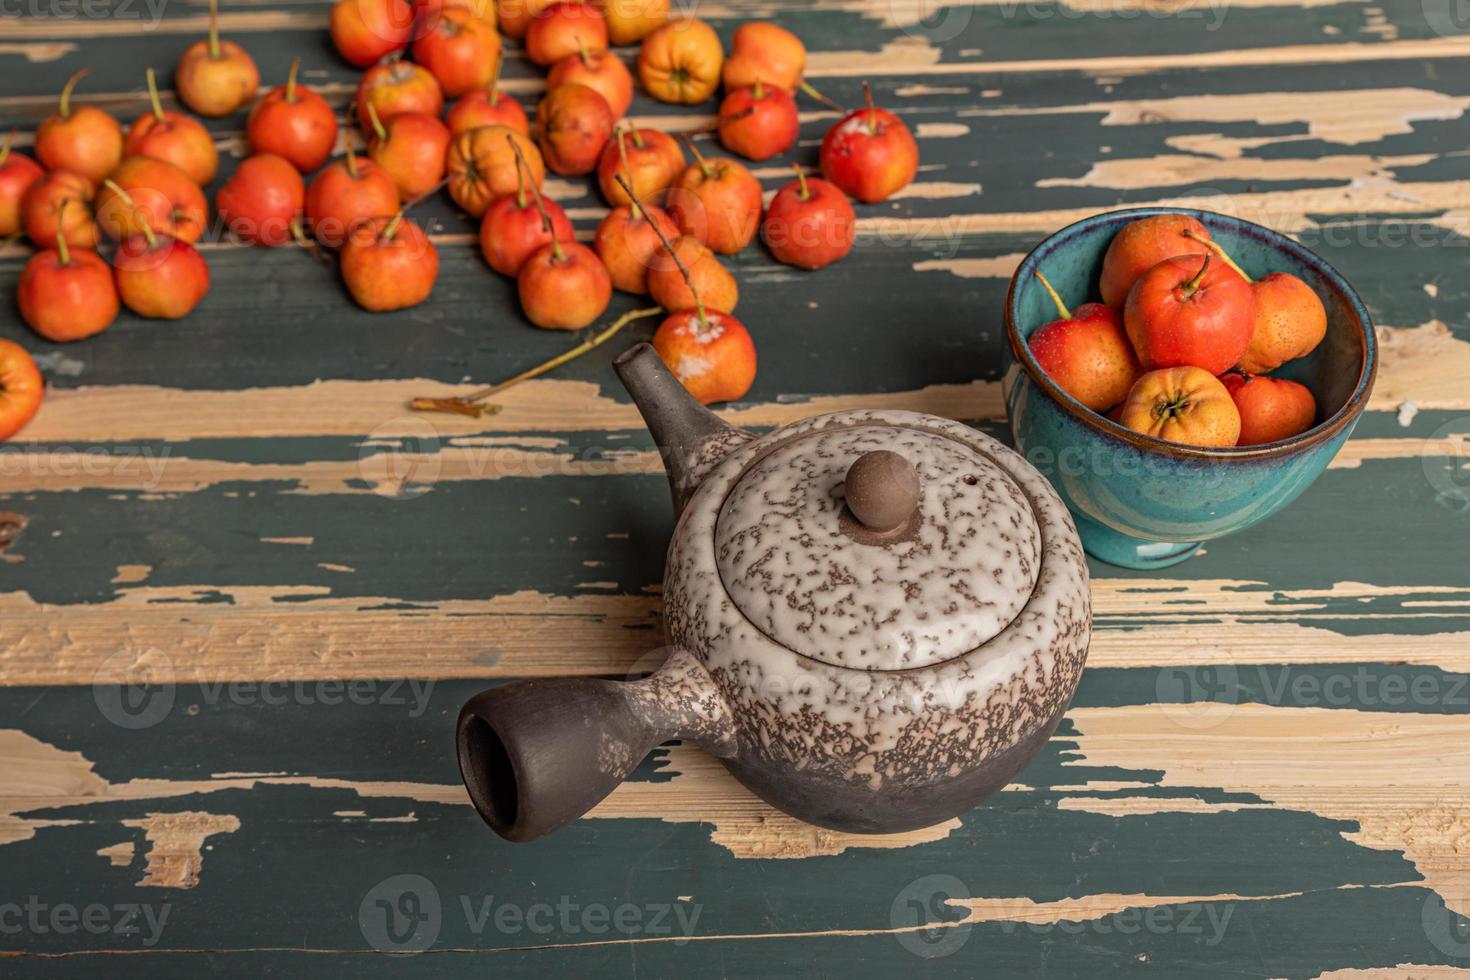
x=1318 y=434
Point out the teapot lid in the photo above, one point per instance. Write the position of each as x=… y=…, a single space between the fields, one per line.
x=877 y=546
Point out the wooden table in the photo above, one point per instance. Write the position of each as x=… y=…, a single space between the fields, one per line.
x=1264 y=771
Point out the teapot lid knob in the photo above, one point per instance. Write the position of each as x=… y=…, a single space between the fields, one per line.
x=882 y=490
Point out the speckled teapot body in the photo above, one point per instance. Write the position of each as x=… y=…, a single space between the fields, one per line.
x=862 y=677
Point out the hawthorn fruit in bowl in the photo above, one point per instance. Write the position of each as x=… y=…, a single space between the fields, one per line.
x=1146 y=494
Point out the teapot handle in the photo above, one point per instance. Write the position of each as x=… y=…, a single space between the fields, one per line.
x=536 y=755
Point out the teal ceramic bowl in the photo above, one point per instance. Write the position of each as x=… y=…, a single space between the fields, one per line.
x=1141 y=502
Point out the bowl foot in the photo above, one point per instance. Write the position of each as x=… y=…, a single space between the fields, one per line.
x=1115 y=548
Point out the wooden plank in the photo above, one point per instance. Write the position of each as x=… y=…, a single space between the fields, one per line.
x=1260 y=772
x=372 y=783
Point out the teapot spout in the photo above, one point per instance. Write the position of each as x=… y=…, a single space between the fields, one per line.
x=536 y=755
x=691 y=439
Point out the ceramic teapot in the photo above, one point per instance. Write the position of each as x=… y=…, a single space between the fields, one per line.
x=876 y=619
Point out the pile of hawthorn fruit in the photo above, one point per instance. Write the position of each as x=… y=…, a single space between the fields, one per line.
x=669 y=222
x=1183 y=341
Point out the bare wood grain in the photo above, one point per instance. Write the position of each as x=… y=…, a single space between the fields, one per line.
x=288 y=633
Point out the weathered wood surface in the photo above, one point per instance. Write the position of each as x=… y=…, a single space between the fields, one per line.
x=1267 y=768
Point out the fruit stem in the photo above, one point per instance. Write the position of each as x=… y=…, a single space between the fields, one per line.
x=698 y=157
x=1219 y=250
x=414 y=202
x=756 y=92
x=872 y=109
x=719 y=121
x=634 y=208
x=678 y=262
x=829 y=103
x=546 y=222
x=71 y=83
x=5 y=148
x=127 y=199
x=299 y=236
x=520 y=188
x=153 y=96
x=214 y=29
x=637 y=138
x=1061 y=307
x=291 y=79
x=1191 y=287
x=391 y=228
x=804 y=192
x=378 y=129
x=347 y=143
x=495 y=81
x=1170 y=405
x=464 y=404
x=63 y=251
x=583 y=53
